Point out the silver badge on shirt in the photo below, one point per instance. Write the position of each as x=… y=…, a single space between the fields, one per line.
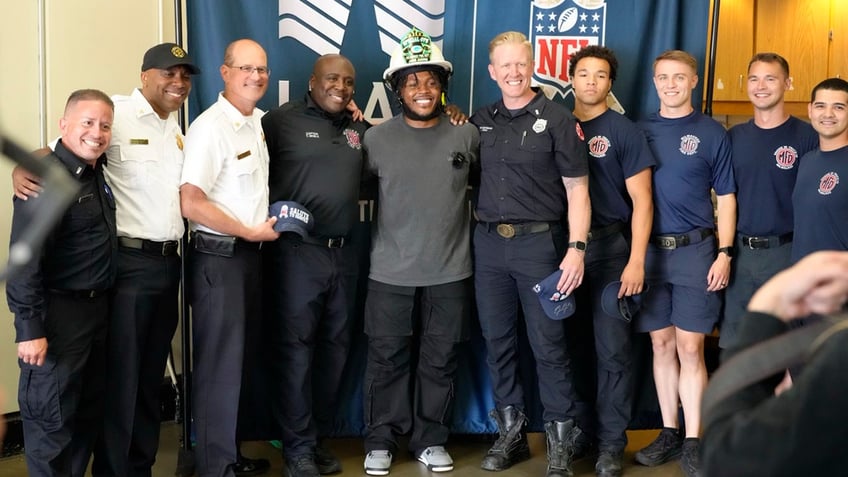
x=540 y=125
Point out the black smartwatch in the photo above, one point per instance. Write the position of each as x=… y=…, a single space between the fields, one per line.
x=578 y=245
x=729 y=251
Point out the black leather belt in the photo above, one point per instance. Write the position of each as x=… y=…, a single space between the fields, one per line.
x=514 y=230
x=80 y=294
x=606 y=231
x=671 y=242
x=159 y=248
x=772 y=241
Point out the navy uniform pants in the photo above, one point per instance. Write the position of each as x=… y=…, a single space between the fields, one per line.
x=414 y=334
x=62 y=401
x=310 y=295
x=505 y=272
x=605 y=260
x=226 y=304
x=143 y=320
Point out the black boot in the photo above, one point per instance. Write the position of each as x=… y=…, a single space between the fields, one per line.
x=511 y=446
x=561 y=437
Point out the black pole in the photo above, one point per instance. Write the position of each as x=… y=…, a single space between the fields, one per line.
x=185 y=458
x=708 y=107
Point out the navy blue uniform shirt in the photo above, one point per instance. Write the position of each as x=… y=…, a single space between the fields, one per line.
x=524 y=155
x=316 y=160
x=765 y=164
x=80 y=253
x=618 y=150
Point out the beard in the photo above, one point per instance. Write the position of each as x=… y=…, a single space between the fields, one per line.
x=436 y=112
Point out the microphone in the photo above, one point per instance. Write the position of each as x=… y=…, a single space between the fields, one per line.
x=59 y=190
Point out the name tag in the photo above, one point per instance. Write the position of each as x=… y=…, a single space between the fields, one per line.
x=139 y=141
x=243 y=155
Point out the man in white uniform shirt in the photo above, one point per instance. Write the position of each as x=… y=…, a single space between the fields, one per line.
x=224 y=193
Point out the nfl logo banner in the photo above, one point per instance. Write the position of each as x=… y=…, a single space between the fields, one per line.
x=558 y=29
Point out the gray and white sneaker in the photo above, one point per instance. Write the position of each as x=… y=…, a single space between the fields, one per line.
x=436 y=458
x=378 y=462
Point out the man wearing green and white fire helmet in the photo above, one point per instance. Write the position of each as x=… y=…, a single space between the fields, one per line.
x=419 y=288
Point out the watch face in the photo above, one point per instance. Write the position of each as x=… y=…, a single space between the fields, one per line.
x=578 y=245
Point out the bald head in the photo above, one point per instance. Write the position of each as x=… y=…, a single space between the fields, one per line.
x=332 y=82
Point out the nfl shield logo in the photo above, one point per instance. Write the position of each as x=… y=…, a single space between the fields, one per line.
x=559 y=28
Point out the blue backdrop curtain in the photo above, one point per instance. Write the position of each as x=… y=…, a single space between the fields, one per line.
x=296 y=32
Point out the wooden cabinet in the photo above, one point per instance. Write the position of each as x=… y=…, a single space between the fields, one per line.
x=734 y=48
x=838 y=57
x=798 y=30
x=811 y=34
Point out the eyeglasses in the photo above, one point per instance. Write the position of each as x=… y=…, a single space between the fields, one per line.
x=249 y=69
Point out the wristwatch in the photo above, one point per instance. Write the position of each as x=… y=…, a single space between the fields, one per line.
x=578 y=245
x=729 y=251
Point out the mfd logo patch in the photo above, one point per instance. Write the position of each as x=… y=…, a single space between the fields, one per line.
x=785 y=157
x=352 y=138
x=598 y=146
x=828 y=182
x=558 y=29
x=689 y=144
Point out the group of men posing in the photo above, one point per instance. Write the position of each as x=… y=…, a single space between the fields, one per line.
x=110 y=268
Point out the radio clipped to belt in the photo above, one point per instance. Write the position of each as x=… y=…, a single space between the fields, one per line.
x=214 y=244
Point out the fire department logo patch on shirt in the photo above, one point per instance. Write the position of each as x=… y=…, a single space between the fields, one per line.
x=598 y=146
x=352 y=139
x=828 y=182
x=785 y=157
x=689 y=144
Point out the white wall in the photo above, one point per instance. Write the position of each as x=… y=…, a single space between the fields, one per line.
x=83 y=44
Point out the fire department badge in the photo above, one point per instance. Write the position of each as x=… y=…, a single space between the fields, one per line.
x=785 y=157
x=828 y=182
x=559 y=28
x=598 y=146
x=540 y=125
x=352 y=138
x=689 y=144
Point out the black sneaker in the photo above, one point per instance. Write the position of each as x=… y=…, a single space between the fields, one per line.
x=609 y=463
x=245 y=467
x=666 y=447
x=690 y=460
x=327 y=462
x=301 y=466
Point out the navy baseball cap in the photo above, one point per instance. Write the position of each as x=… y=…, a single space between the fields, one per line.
x=626 y=307
x=556 y=305
x=291 y=217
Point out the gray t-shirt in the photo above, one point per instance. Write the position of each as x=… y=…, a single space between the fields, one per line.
x=422 y=234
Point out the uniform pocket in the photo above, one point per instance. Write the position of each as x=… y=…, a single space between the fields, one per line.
x=38 y=394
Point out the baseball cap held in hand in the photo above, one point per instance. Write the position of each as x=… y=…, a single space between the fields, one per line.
x=291 y=217
x=625 y=307
x=556 y=305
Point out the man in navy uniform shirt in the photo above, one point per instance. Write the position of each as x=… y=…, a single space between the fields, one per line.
x=683 y=266
x=620 y=166
x=534 y=172
x=820 y=199
x=766 y=155
x=60 y=300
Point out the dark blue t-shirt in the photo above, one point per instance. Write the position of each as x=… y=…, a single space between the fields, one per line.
x=820 y=201
x=617 y=150
x=765 y=164
x=693 y=155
